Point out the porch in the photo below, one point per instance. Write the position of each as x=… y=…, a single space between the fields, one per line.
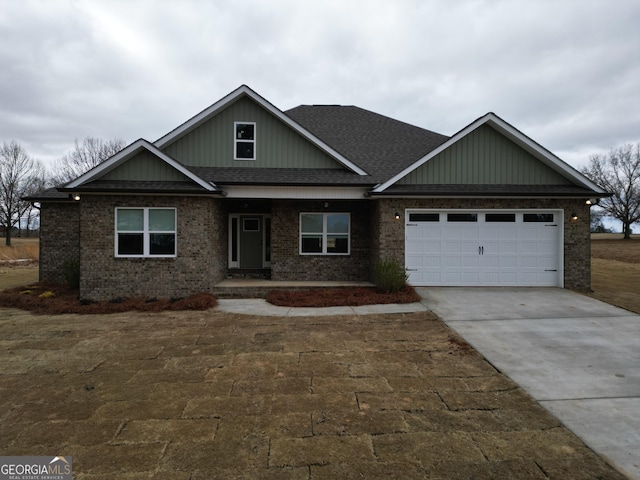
x=258 y=288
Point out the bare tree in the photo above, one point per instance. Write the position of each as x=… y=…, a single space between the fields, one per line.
x=32 y=212
x=20 y=175
x=597 y=217
x=619 y=174
x=84 y=156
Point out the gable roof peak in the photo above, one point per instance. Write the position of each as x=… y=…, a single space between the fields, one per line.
x=513 y=134
x=127 y=153
x=239 y=92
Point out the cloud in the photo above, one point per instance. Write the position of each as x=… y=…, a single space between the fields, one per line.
x=562 y=71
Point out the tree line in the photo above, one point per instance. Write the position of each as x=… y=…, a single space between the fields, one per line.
x=22 y=175
x=617 y=172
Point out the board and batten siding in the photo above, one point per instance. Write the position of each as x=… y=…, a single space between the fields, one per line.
x=211 y=144
x=484 y=157
x=145 y=166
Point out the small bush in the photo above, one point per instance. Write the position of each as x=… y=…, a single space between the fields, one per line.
x=389 y=276
x=71 y=273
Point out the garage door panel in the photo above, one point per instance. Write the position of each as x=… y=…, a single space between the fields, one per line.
x=503 y=251
x=499 y=278
x=425 y=261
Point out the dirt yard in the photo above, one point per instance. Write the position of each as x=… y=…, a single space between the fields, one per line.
x=615 y=274
x=207 y=395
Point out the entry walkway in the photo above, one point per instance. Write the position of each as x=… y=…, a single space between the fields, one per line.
x=579 y=357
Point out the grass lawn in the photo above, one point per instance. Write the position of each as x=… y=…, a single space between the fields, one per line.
x=615 y=270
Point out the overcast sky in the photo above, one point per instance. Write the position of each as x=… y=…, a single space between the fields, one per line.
x=565 y=72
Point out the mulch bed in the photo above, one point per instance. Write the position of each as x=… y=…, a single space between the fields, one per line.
x=338 y=297
x=45 y=299
x=54 y=299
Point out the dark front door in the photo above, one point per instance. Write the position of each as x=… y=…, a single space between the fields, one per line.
x=251 y=241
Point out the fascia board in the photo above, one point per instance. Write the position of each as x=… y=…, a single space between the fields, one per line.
x=128 y=152
x=513 y=134
x=233 y=96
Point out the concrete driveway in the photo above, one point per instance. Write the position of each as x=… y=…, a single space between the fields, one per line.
x=579 y=357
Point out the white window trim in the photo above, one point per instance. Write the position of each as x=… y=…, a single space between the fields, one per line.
x=236 y=140
x=324 y=234
x=146 y=233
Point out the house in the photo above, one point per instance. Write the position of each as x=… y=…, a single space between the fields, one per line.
x=319 y=192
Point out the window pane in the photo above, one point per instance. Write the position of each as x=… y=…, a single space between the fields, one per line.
x=311 y=223
x=245 y=131
x=500 y=217
x=337 y=223
x=162 y=220
x=251 y=224
x=538 y=217
x=312 y=244
x=267 y=239
x=424 y=217
x=244 y=150
x=234 y=239
x=130 y=244
x=130 y=219
x=337 y=244
x=462 y=217
x=162 y=244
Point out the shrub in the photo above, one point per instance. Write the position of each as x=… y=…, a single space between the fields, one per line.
x=388 y=275
x=71 y=273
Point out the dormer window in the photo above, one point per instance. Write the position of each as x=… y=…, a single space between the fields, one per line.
x=245 y=141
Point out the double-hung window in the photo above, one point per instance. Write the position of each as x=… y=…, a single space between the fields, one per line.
x=244 y=143
x=325 y=233
x=145 y=232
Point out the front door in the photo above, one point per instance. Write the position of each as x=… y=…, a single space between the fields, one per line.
x=249 y=241
x=251 y=251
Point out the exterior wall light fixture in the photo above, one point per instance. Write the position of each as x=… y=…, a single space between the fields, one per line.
x=76 y=197
x=574 y=217
x=397 y=216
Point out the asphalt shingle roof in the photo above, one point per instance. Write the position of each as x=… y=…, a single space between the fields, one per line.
x=378 y=144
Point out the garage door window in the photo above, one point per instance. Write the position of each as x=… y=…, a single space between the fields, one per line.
x=424 y=217
x=462 y=217
x=538 y=217
x=501 y=217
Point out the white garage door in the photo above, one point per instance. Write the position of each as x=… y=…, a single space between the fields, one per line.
x=489 y=247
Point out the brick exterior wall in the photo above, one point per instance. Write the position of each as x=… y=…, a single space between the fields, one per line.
x=202 y=242
x=577 y=242
x=59 y=239
x=201 y=246
x=288 y=264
